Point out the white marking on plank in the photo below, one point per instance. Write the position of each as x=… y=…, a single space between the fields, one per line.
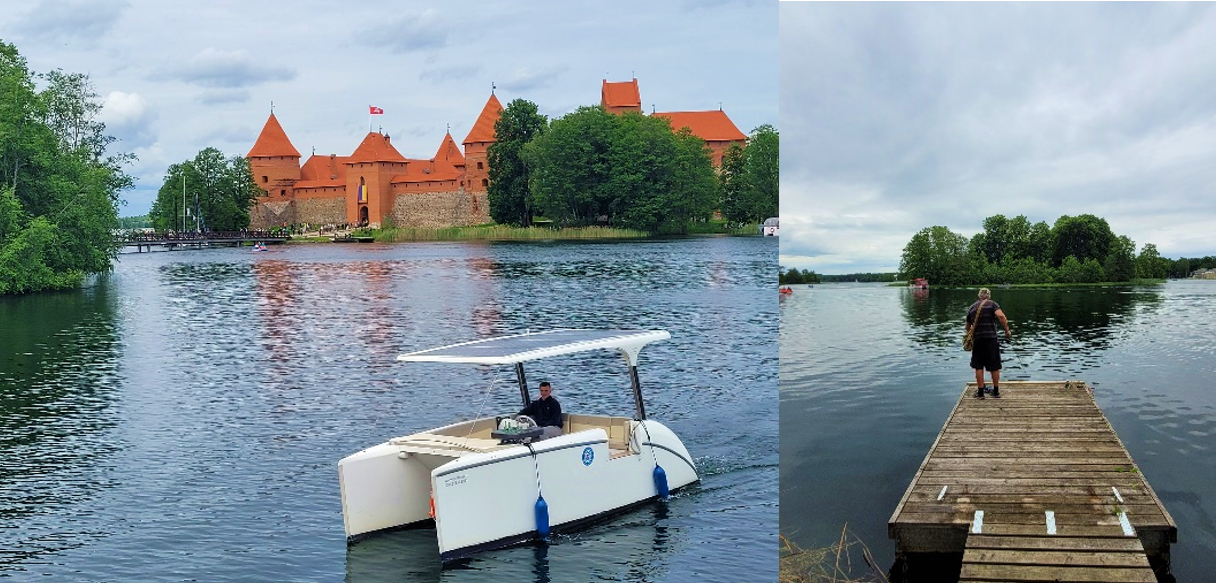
x=943 y=493
x=1117 y=493
x=977 y=525
x=1051 y=522
x=1126 y=524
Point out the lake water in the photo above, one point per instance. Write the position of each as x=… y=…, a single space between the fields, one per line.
x=870 y=373
x=182 y=418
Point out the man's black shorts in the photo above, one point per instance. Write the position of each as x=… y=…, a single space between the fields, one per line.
x=986 y=354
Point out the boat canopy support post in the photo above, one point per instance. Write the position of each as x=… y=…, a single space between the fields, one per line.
x=523 y=383
x=637 y=392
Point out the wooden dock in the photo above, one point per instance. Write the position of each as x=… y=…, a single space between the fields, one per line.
x=1034 y=486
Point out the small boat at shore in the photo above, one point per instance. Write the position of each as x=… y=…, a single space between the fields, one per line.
x=486 y=483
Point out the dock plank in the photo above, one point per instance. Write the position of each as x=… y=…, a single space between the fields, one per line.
x=1042 y=447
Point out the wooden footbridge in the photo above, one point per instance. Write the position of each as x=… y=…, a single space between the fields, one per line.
x=1034 y=486
x=190 y=240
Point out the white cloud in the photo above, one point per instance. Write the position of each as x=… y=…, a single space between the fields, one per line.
x=228 y=69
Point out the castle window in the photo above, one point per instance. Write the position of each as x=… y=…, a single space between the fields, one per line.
x=479 y=167
x=485 y=183
x=282 y=193
x=263 y=179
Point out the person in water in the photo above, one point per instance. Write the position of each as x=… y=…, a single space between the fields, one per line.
x=986 y=352
x=546 y=411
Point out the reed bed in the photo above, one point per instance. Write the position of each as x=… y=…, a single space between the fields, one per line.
x=832 y=564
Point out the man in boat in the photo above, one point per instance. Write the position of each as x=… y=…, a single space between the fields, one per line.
x=986 y=352
x=546 y=411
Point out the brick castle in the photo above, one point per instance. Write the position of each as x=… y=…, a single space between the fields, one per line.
x=376 y=182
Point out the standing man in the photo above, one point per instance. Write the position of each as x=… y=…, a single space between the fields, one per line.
x=986 y=352
x=546 y=411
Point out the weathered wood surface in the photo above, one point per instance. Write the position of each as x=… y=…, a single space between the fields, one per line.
x=1043 y=446
x=1110 y=558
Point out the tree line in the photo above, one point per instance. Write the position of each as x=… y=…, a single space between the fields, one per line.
x=1080 y=249
x=208 y=193
x=631 y=171
x=793 y=276
x=59 y=181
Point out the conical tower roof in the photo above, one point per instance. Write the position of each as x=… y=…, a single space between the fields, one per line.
x=449 y=152
x=483 y=129
x=375 y=148
x=273 y=141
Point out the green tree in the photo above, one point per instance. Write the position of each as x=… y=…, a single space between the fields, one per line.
x=209 y=192
x=762 y=175
x=629 y=170
x=61 y=183
x=1083 y=237
x=1150 y=265
x=570 y=167
x=1120 y=264
x=509 y=192
x=938 y=254
x=732 y=183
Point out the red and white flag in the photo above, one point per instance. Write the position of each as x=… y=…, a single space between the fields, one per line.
x=373 y=110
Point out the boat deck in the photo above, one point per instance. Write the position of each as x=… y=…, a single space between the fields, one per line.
x=1034 y=483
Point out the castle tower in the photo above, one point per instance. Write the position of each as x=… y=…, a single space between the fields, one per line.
x=621 y=97
x=369 y=174
x=449 y=152
x=275 y=163
x=477 y=168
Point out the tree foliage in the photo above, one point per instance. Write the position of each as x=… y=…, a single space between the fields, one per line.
x=793 y=276
x=59 y=185
x=509 y=192
x=210 y=192
x=1079 y=249
x=938 y=254
x=629 y=171
x=749 y=180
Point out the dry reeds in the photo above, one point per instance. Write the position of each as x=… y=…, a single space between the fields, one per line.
x=832 y=564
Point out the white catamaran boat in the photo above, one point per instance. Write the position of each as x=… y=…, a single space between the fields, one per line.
x=486 y=483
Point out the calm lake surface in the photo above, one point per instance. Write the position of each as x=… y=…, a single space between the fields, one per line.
x=870 y=373
x=182 y=418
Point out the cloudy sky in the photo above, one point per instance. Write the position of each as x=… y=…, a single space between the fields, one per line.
x=179 y=77
x=901 y=116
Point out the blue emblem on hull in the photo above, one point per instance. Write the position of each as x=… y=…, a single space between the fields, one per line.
x=588 y=456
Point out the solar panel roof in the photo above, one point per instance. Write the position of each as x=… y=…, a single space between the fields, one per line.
x=534 y=345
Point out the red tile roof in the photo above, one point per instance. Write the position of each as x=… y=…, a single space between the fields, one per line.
x=323 y=171
x=483 y=129
x=375 y=148
x=623 y=94
x=272 y=141
x=449 y=152
x=428 y=171
x=707 y=125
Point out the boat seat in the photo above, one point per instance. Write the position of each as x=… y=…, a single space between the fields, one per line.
x=431 y=440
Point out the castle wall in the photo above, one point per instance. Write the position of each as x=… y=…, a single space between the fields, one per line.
x=441 y=209
x=322 y=211
x=269 y=213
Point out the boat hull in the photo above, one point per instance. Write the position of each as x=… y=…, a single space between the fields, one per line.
x=485 y=500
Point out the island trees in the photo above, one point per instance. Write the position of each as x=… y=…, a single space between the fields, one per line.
x=938 y=254
x=59 y=183
x=210 y=192
x=632 y=171
x=749 y=180
x=1080 y=249
x=509 y=193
